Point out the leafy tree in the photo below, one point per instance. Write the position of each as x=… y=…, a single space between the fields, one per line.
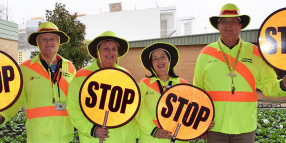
x=75 y=50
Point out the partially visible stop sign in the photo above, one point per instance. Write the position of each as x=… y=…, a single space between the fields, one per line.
x=272 y=39
x=111 y=90
x=11 y=81
x=187 y=105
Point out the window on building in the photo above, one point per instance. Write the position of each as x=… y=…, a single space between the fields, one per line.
x=20 y=57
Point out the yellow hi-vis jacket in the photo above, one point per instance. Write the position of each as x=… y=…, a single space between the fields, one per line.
x=235 y=113
x=146 y=117
x=123 y=134
x=44 y=123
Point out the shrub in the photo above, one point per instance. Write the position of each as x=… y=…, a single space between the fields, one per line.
x=271 y=127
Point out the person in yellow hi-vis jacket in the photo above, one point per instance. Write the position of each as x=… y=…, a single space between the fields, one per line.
x=46 y=78
x=230 y=70
x=159 y=59
x=105 y=49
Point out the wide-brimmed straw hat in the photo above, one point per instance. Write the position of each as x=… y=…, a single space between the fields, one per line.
x=123 y=45
x=47 y=27
x=146 y=54
x=230 y=10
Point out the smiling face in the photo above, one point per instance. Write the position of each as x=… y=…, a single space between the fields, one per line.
x=160 y=62
x=229 y=28
x=48 y=44
x=108 y=53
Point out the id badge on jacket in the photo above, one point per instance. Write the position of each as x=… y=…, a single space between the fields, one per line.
x=59 y=106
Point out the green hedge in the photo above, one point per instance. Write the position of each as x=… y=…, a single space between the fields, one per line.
x=271 y=128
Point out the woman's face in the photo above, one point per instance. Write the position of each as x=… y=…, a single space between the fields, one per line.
x=108 y=51
x=160 y=62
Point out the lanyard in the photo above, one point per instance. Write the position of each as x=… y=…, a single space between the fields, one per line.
x=54 y=77
x=165 y=87
x=231 y=69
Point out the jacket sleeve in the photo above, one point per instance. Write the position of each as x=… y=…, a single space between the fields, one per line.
x=143 y=119
x=10 y=112
x=80 y=122
x=268 y=82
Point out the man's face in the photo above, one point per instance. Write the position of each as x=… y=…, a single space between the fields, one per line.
x=48 y=44
x=229 y=27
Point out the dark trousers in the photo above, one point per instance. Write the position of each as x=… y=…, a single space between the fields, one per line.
x=217 y=137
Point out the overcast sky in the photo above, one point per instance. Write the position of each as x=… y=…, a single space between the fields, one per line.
x=201 y=10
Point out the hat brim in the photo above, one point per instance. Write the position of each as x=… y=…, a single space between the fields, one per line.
x=159 y=45
x=122 y=49
x=245 y=19
x=32 y=39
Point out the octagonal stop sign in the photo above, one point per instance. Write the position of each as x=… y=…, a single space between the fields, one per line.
x=111 y=90
x=272 y=39
x=187 y=106
x=11 y=81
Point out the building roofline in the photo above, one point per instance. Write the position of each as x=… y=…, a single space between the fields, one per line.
x=249 y=35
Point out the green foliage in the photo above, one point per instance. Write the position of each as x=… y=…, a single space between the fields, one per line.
x=33 y=54
x=14 y=131
x=198 y=141
x=271 y=128
x=75 y=50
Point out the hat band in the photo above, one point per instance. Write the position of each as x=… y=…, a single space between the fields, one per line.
x=47 y=29
x=108 y=40
x=229 y=12
x=150 y=55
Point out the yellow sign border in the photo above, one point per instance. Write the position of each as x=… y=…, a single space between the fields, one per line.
x=258 y=38
x=21 y=81
x=193 y=87
x=139 y=93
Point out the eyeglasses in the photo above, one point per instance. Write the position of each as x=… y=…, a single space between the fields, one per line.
x=229 y=22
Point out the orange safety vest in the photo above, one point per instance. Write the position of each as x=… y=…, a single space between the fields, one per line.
x=235 y=113
x=123 y=134
x=44 y=124
x=146 y=117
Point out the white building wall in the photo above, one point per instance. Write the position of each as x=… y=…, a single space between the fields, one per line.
x=168 y=16
x=130 y=25
x=184 y=26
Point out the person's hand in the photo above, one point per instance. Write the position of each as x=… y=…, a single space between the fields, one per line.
x=211 y=125
x=284 y=81
x=101 y=133
x=206 y=134
x=164 y=134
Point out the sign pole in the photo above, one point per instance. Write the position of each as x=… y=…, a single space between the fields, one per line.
x=176 y=132
x=104 y=123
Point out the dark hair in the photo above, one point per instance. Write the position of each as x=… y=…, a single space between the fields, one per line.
x=171 y=69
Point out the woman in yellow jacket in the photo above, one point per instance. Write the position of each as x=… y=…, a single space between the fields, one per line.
x=106 y=49
x=159 y=59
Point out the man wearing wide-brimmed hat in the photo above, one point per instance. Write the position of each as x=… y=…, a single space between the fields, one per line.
x=106 y=49
x=230 y=70
x=46 y=78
